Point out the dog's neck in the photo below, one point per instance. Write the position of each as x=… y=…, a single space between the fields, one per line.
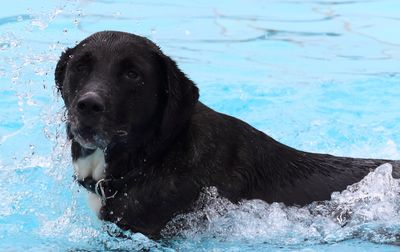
x=127 y=158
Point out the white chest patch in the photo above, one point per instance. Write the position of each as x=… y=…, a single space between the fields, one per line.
x=94 y=203
x=93 y=165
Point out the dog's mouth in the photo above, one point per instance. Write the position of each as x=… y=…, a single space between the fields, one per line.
x=93 y=138
x=89 y=137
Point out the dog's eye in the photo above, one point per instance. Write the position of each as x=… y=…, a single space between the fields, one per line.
x=131 y=74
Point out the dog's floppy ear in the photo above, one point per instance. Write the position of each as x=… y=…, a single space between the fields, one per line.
x=59 y=73
x=181 y=97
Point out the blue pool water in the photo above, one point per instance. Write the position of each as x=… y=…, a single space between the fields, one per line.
x=318 y=75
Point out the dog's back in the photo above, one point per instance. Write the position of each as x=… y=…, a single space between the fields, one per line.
x=246 y=163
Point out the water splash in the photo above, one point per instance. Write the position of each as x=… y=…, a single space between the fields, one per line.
x=369 y=210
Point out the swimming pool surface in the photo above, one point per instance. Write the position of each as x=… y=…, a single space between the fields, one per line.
x=318 y=75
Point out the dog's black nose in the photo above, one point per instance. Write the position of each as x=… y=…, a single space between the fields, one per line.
x=90 y=104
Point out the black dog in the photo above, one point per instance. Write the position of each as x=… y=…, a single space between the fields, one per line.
x=145 y=146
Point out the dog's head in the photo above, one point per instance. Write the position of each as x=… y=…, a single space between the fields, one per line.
x=116 y=83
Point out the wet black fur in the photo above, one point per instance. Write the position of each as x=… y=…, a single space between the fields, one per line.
x=186 y=146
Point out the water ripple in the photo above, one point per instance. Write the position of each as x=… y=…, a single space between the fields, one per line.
x=14 y=19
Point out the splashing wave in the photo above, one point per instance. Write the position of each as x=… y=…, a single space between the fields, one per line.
x=368 y=210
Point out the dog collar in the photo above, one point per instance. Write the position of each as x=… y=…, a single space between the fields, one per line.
x=102 y=188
